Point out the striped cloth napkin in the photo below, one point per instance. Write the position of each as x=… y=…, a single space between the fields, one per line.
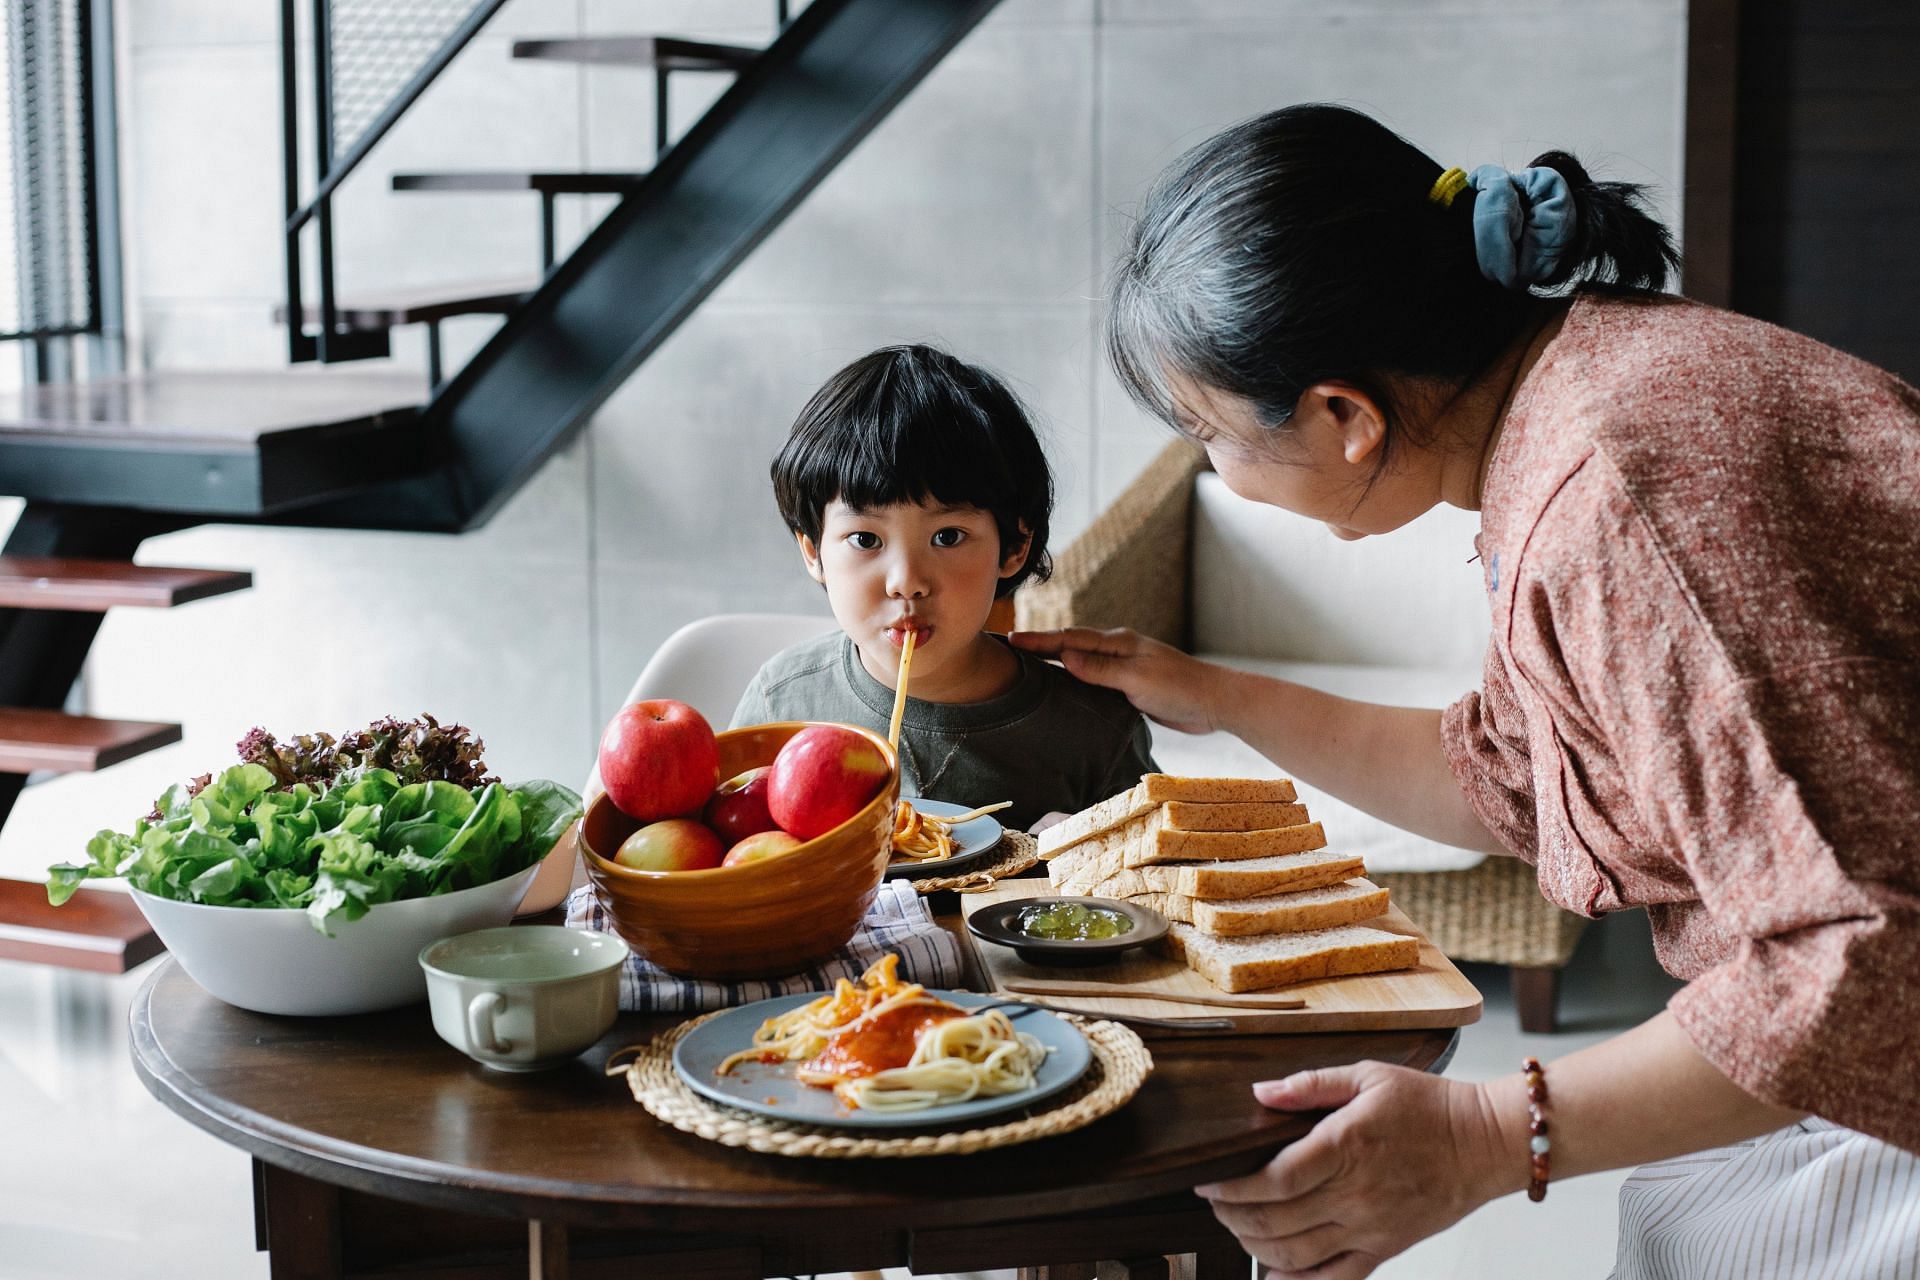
x=898 y=921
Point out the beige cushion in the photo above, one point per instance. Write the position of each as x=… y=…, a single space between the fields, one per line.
x=1270 y=584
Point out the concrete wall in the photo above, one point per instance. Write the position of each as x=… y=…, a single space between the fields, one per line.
x=980 y=215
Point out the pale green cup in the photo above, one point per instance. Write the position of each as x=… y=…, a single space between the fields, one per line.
x=524 y=997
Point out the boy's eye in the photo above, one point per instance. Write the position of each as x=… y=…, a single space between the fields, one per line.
x=864 y=540
x=949 y=537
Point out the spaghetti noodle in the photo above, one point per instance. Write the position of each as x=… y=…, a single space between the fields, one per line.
x=887 y=1045
x=927 y=837
x=803 y=1032
x=956 y=1060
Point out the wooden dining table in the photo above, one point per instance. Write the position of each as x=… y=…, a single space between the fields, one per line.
x=381 y=1152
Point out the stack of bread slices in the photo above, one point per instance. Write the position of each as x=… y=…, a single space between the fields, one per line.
x=1256 y=898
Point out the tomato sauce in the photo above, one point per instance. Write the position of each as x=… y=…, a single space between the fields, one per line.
x=886 y=1042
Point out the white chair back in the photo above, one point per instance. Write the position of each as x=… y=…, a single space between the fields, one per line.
x=708 y=663
x=1269 y=584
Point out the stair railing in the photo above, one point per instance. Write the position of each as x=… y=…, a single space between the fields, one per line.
x=58 y=185
x=371 y=60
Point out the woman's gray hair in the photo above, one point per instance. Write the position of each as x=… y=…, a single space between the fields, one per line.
x=1181 y=295
x=1301 y=246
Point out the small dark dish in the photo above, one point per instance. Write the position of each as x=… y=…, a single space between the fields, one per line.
x=1001 y=924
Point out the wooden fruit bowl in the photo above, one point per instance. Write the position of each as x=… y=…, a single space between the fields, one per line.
x=761 y=919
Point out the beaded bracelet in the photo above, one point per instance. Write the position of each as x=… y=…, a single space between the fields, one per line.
x=1538 y=1143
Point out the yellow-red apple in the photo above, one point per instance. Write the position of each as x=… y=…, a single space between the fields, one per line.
x=677 y=844
x=762 y=844
x=822 y=777
x=658 y=760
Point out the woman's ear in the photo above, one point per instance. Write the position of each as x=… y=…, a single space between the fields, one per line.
x=1355 y=418
x=1013 y=557
x=810 y=556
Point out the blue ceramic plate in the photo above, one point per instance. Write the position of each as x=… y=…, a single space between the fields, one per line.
x=972 y=841
x=771 y=1090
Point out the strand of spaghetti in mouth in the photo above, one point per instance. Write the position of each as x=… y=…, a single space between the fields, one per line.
x=900 y=690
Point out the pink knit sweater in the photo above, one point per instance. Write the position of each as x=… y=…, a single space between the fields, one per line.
x=1701 y=538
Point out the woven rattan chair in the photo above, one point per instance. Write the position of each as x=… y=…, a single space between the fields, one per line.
x=1134 y=567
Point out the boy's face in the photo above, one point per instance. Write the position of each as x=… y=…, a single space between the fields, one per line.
x=916 y=567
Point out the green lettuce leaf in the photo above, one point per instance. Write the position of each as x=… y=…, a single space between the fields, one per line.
x=248 y=839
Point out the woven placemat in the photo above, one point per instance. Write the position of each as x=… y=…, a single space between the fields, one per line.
x=1121 y=1065
x=1018 y=852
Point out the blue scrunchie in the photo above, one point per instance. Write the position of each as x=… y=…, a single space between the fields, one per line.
x=1522 y=223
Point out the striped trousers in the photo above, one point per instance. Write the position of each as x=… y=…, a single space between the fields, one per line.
x=1812 y=1201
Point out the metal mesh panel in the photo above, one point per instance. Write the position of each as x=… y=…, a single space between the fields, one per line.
x=46 y=278
x=378 y=46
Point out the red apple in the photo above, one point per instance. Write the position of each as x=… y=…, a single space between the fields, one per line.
x=678 y=844
x=739 y=806
x=658 y=760
x=822 y=777
x=762 y=844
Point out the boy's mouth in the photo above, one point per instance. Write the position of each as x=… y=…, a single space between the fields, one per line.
x=897 y=634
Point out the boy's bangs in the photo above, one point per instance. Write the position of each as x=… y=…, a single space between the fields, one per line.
x=945 y=459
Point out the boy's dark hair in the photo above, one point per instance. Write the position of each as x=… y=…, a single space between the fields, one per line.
x=912 y=424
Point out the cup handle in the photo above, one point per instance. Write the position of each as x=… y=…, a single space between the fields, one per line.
x=481 y=1011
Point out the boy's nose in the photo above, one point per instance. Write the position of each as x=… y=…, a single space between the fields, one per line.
x=905 y=580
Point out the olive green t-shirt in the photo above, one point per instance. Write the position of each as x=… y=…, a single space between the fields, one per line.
x=1050 y=743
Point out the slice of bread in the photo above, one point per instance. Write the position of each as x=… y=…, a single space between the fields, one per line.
x=1147 y=840
x=1348 y=902
x=1155 y=789
x=1239 y=815
x=1274 y=960
x=1214 y=880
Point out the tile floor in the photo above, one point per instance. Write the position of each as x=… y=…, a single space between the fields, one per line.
x=99 y=1182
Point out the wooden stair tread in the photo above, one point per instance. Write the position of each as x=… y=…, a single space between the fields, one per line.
x=214 y=443
x=96 y=929
x=207 y=406
x=550 y=183
x=90 y=586
x=421 y=305
x=669 y=53
x=32 y=739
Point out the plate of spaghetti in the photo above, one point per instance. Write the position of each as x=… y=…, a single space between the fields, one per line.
x=881 y=1054
x=940 y=838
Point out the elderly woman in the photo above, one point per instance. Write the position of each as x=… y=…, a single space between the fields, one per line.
x=1701 y=544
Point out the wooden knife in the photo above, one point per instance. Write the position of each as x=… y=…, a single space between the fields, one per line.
x=1104 y=991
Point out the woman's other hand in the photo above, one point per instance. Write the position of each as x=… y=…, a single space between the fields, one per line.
x=1401 y=1155
x=1168 y=686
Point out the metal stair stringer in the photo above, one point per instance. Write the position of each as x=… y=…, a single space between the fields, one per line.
x=789 y=118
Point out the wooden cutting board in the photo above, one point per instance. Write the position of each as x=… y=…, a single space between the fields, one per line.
x=1434 y=994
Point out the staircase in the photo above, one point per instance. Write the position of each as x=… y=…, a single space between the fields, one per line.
x=107 y=463
x=50 y=606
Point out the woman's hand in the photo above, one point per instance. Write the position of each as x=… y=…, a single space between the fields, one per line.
x=1165 y=684
x=1402 y=1156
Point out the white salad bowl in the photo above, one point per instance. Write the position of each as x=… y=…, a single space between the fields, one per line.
x=272 y=960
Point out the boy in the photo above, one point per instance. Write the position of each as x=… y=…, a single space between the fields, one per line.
x=919 y=495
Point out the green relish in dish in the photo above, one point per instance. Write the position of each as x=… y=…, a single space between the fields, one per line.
x=1072 y=922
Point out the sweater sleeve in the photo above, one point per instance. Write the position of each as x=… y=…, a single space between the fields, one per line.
x=1484 y=737
x=752 y=707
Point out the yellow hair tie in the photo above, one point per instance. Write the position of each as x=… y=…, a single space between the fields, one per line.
x=1447 y=186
